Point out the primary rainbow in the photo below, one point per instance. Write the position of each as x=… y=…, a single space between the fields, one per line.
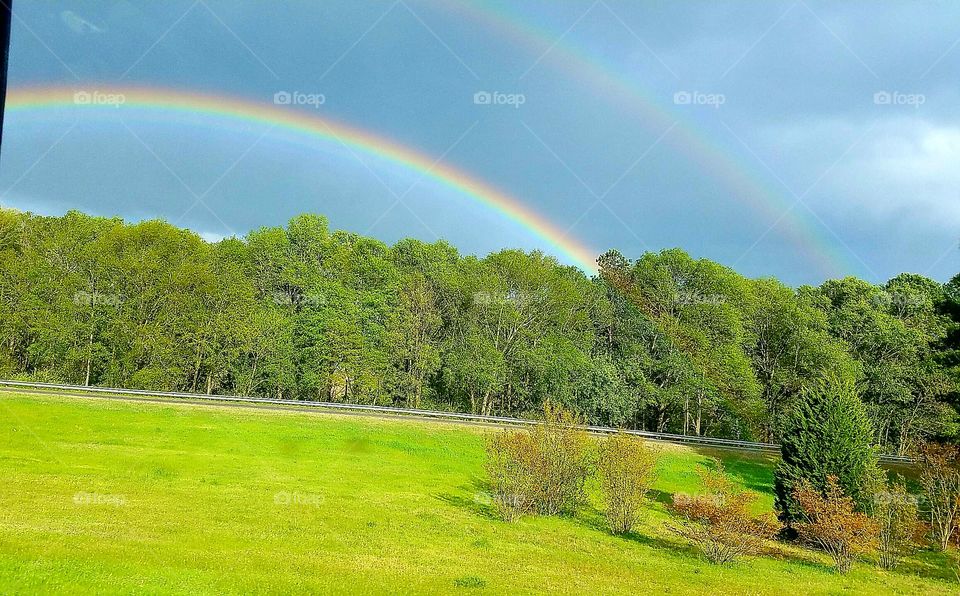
x=299 y=122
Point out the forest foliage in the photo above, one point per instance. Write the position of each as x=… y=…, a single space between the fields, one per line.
x=665 y=342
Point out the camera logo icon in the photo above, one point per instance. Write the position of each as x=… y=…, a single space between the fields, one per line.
x=482 y=98
x=282 y=98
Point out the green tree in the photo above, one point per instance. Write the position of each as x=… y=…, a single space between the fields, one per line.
x=826 y=434
x=790 y=345
x=892 y=332
x=696 y=356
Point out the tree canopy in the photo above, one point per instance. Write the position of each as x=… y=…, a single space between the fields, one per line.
x=665 y=342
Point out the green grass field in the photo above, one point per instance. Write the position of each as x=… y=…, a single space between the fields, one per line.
x=118 y=497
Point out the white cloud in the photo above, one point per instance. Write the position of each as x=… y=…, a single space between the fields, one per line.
x=910 y=168
x=905 y=169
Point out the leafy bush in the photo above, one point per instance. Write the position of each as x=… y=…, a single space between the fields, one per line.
x=895 y=511
x=720 y=521
x=831 y=522
x=827 y=433
x=626 y=473
x=940 y=478
x=542 y=469
x=561 y=461
x=508 y=468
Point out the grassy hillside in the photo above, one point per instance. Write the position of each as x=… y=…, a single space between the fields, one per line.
x=124 y=497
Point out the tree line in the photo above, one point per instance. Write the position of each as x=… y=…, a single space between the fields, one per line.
x=665 y=342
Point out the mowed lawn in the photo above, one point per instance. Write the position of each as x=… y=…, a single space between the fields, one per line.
x=118 y=497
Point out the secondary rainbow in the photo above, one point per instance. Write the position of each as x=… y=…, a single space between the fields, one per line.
x=746 y=184
x=298 y=121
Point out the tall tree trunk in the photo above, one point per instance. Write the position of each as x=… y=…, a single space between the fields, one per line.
x=487 y=403
x=86 y=378
x=196 y=369
x=662 y=420
x=697 y=428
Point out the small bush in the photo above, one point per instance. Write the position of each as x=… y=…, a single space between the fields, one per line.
x=720 y=522
x=626 y=473
x=831 y=523
x=542 y=469
x=895 y=511
x=561 y=461
x=508 y=466
x=940 y=478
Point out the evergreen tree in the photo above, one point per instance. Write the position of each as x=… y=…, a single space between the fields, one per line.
x=827 y=433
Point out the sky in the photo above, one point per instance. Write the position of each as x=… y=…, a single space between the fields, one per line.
x=803 y=140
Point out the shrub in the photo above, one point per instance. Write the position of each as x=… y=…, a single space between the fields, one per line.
x=626 y=473
x=542 y=469
x=831 y=523
x=940 y=479
x=508 y=469
x=720 y=522
x=895 y=511
x=827 y=433
x=560 y=463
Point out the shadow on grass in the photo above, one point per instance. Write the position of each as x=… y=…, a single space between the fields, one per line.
x=929 y=564
x=474 y=498
x=755 y=473
x=754 y=470
x=591 y=517
x=925 y=564
x=660 y=496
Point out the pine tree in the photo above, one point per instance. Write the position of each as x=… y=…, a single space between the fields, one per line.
x=828 y=433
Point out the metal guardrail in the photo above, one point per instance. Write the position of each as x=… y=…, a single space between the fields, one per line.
x=416 y=413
